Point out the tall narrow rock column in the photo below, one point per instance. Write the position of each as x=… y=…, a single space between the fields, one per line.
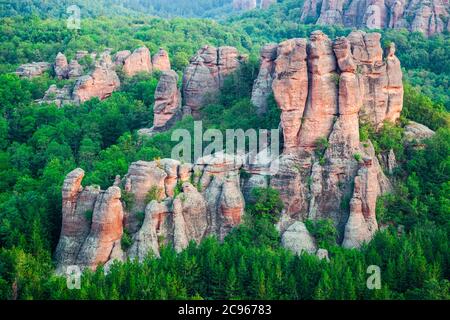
x=290 y=88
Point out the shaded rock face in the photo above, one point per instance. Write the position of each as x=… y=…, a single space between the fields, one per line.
x=297 y=239
x=61 y=66
x=244 y=4
x=65 y=70
x=31 y=70
x=324 y=88
x=415 y=133
x=175 y=211
x=58 y=96
x=205 y=74
x=138 y=61
x=161 y=61
x=428 y=17
x=100 y=83
x=167 y=108
x=262 y=88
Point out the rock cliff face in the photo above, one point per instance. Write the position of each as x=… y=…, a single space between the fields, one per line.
x=167 y=108
x=138 y=61
x=161 y=61
x=205 y=75
x=31 y=70
x=262 y=88
x=175 y=211
x=65 y=70
x=428 y=17
x=324 y=89
x=100 y=83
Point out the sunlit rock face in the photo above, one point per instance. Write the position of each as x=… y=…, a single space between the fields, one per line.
x=324 y=89
x=101 y=83
x=428 y=17
x=171 y=203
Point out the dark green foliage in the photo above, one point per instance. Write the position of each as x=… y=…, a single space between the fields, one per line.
x=323 y=231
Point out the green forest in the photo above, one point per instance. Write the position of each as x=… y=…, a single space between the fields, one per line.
x=40 y=144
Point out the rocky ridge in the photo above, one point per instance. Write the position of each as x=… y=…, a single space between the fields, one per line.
x=429 y=17
x=324 y=89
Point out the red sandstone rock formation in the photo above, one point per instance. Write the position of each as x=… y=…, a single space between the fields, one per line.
x=190 y=214
x=138 y=61
x=167 y=108
x=244 y=4
x=161 y=61
x=428 y=17
x=205 y=75
x=323 y=89
x=61 y=66
x=100 y=83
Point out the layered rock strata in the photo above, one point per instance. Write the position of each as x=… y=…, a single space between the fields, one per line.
x=205 y=75
x=429 y=17
x=171 y=203
x=324 y=89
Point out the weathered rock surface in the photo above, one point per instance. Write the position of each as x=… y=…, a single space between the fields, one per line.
x=205 y=74
x=297 y=239
x=262 y=88
x=173 y=214
x=100 y=83
x=244 y=4
x=138 y=61
x=416 y=132
x=344 y=81
x=61 y=66
x=31 y=70
x=58 y=96
x=167 y=109
x=161 y=61
x=428 y=17
x=324 y=89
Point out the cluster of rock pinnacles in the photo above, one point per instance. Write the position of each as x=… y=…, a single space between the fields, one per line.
x=324 y=89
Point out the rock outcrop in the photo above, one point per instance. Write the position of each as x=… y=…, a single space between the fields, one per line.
x=58 y=96
x=65 y=70
x=428 y=17
x=161 y=61
x=416 y=132
x=244 y=5
x=262 y=88
x=31 y=70
x=101 y=83
x=324 y=89
x=167 y=108
x=297 y=239
x=139 y=61
x=175 y=211
x=205 y=75
x=61 y=66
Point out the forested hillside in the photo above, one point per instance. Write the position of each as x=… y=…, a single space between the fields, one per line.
x=40 y=144
x=163 y=8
